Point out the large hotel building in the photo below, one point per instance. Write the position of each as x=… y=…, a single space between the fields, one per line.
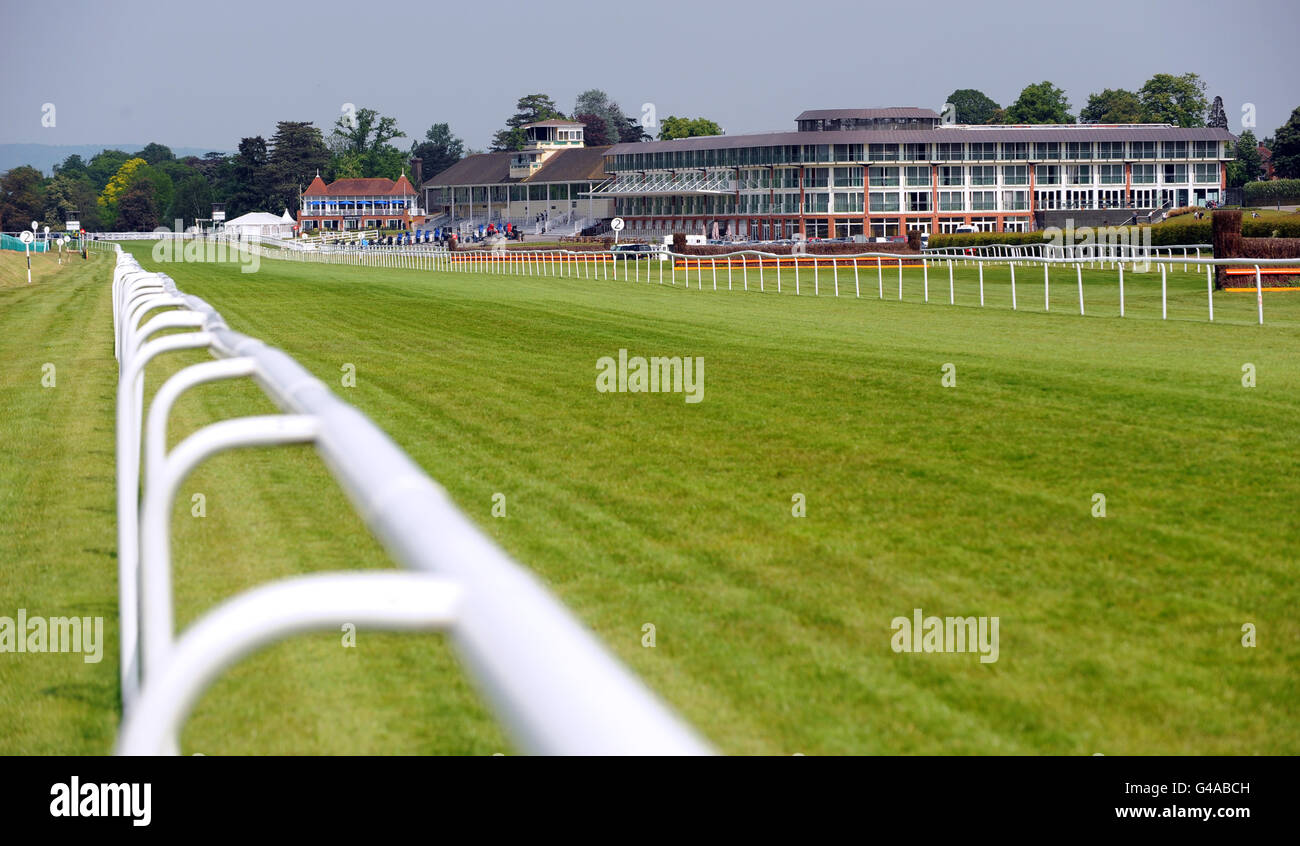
x=872 y=172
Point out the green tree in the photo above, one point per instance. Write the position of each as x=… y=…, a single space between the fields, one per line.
x=247 y=189
x=674 y=127
x=297 y=154
x=602 y=116
x=1286 y=148
x=155 y=153
x=117 y=186
x=530 y=108
x=1113 y=105
x=137 y=210
x=22 y=198
x=1247 y=166
x=1179 y=100
x=972 y=106
x=364 y=138
x=632 y=132
x=66 y=193
x=72 y=166
x=594 y=133
x=192 y=200
x=1041 y=102
x=439 y=150
x=104 y=165
x=1217 y=117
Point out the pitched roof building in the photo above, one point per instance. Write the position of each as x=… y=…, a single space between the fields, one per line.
x=372 y=203
x=545 y=186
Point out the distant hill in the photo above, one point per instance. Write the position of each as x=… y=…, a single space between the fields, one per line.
x=44 y=157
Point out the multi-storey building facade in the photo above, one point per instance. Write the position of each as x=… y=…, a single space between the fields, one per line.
x=344 y=204
x=550 y=180
x=880 y=172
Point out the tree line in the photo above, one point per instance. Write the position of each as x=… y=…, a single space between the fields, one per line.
x=118 y=190
x=1164 y=98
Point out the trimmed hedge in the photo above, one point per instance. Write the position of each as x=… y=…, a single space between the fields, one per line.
x=813 y=249
x=1272 y=192
x=1271 y=248
x=1184 y=229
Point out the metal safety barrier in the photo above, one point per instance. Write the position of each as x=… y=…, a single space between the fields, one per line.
x=555 y=687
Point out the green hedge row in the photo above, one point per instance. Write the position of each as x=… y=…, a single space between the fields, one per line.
x=1272 y=191
x=1184 y=229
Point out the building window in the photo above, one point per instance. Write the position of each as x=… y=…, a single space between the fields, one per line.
x=983 y=175
x=1047 y=150
x=1144 y=174
x=816 y=152
x=950 y=175
x=1078 y=149
x=1112 y=174
x=815 y=177
x=918 y=201
x=917 y=176
x=1047 y=174
x=1079 y=175
x=883 y=176
x=1015 y=200
x=1015 y=151
x=849 y=202
x=916 y=152
x=1207 y=173
x=1110 y=149
x=848 y=152
x=984 y=201
x=984 y=151
x=882 y=152
x=1205 y=149
x=848 y=177
x=951 y=152
x=1015 y=174
x=1175 y=149
x=1175 y=173
x=884 y=202
x=815 y=203
x=950 y=201
x=1142 y=149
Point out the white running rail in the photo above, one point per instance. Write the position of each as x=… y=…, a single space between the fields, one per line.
x=557 y=689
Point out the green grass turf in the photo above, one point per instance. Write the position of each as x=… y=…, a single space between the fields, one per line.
x=1118 y=635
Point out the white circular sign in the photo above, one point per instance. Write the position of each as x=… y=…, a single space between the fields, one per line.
x=26 y=237
x=63 y=239
x=617 y=224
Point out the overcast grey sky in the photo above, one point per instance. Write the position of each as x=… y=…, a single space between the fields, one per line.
x=134 y=71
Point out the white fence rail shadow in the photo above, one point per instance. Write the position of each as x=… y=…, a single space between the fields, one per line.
x=556 y=688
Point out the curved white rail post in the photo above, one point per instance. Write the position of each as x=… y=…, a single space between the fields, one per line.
x=155 y=438
x=139 y=304
x=128 y=488
x=156 y=622
x=382 y=600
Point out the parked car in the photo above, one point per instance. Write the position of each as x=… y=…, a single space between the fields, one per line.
x=648 y=252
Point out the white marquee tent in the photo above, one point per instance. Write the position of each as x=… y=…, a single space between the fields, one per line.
x=261 y=223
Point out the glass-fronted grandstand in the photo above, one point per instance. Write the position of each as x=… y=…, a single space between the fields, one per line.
x=876 y=172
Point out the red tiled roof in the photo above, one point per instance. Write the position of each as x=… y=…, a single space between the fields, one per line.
x=366 y=187
x=402 y=187
x=316 y=188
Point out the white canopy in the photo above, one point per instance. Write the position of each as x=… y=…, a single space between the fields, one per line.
x=261 y=223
